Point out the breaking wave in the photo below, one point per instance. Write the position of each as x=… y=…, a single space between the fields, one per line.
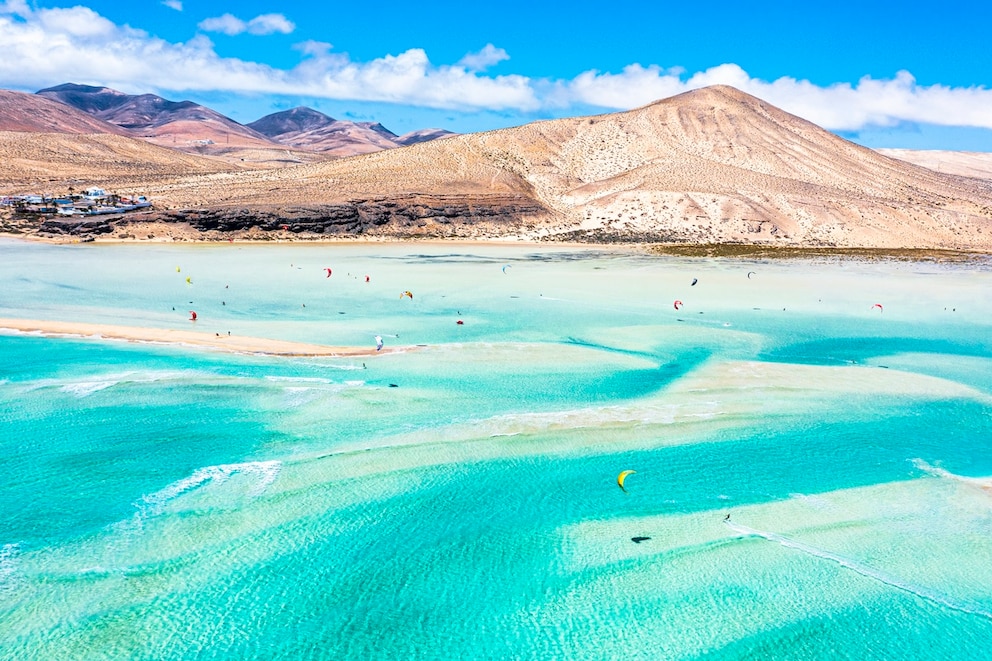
x=263 y=472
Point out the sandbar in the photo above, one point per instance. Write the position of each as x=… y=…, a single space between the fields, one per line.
x=231 y=343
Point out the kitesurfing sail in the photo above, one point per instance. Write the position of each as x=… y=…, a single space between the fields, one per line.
x=622 y=478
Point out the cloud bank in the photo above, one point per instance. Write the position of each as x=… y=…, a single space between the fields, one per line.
x=50 y=46
x=260 y=25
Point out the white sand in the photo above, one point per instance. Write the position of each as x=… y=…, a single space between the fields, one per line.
x=231 y=343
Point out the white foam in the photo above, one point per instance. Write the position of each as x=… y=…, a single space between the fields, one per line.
x=932 y=596
x=83 y=387
x=265 y=473
x=982 y=483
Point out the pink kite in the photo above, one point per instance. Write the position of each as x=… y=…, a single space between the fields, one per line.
x=678 y=304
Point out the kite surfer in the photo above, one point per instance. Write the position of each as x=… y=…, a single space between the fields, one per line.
x=622 y=477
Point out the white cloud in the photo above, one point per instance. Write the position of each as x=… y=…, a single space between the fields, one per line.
x=270 y=24
x=484 y=59
x=315 y=48
x=50 y=46
x=260 y=25
x=173 y=4
x=841 y=106
x=226 y=24
x=76 y=22
x=15 y=7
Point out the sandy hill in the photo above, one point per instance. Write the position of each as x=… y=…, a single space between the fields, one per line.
x=29 y=112
x=711 y=165
x=47 y=146
x=52 y=162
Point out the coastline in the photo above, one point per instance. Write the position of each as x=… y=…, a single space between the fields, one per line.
x=753 y=251
x=228 y=343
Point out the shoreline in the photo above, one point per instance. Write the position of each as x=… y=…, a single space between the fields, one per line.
x=227 y=343
x=690 y=250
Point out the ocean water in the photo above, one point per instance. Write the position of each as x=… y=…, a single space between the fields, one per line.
x=458 y=499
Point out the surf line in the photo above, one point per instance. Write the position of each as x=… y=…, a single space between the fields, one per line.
x=864 y=570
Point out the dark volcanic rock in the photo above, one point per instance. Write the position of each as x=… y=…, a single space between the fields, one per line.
x=415 y=215
x=412 y=216
x=78 y=226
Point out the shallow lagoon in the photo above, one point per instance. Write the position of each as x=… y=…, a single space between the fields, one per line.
x=171 y=502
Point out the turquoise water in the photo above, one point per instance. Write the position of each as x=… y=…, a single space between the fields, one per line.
x=167 y=502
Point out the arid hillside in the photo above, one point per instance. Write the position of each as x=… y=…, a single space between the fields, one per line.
x=712 y=165
x=51 y=162
x=32 y=113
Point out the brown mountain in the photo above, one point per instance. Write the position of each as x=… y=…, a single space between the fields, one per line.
x=178 y=124
x=423 y=135
x=181 y=125
x=29 y=112
x=295 y=120
x=712 y=165
x=305 y=128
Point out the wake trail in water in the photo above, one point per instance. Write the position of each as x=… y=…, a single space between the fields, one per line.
x=932 y=596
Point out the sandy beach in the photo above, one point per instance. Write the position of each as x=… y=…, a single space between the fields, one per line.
x=231 y=343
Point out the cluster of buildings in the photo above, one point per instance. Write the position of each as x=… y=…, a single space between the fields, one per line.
x=90 y=202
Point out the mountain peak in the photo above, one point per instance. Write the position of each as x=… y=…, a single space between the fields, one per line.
x=294 y=120
x=88 y=98
x=82 y=89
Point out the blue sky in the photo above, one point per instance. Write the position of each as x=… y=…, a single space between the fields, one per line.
x=884 y=74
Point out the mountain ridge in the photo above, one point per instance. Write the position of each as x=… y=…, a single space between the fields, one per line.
x=191 y=127
x=305 y=128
